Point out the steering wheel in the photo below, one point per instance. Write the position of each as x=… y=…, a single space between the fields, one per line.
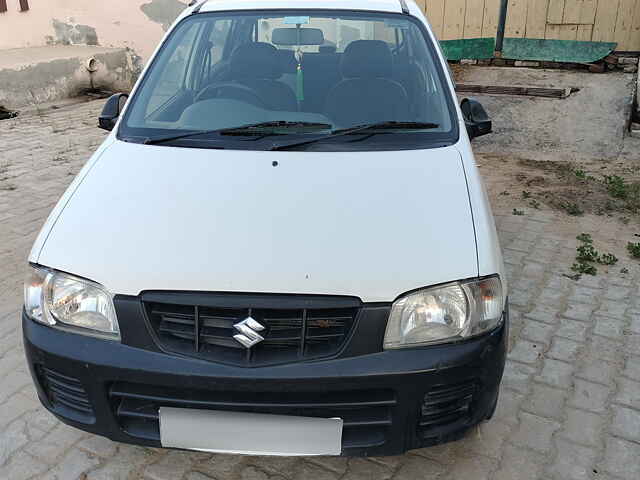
x=213 y=91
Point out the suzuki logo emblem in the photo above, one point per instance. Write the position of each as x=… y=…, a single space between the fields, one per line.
x=248 y=335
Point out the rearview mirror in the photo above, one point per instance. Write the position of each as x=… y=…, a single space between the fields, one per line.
x=297 y=36
x=476 y=118
x=112 y=110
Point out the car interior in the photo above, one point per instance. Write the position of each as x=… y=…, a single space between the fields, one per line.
x=295 y=72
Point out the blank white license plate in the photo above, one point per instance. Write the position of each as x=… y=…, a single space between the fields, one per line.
x=249 y=433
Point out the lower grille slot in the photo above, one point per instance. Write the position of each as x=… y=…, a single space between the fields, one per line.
x=366 y=414
x=445 y=406
x=66 y=395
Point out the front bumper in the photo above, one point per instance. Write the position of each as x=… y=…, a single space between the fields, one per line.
x=391 y=401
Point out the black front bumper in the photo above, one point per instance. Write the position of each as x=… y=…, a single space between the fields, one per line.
x=391 y=401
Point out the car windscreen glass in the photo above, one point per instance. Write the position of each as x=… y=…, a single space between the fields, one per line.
x=290 y=71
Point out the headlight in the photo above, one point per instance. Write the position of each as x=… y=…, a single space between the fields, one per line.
x=444 y=314
x=58 y=299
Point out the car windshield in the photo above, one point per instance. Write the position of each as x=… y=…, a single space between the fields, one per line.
x=261 y=79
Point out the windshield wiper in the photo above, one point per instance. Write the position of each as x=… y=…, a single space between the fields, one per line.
x=390 y=125
x=250 y=129
x=256 y=128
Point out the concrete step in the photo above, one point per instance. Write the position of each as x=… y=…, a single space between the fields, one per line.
x=37 y=75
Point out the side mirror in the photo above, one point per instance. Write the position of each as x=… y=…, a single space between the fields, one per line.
x=111 y=111
x=476 y=118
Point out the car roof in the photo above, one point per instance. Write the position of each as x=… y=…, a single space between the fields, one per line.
x=393 y=6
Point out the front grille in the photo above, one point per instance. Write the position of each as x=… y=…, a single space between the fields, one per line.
x=366 y=413
x=292 y=333
x=66 y=395
x=447 y=406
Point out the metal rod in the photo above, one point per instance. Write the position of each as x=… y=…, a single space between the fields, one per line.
x=502 y=23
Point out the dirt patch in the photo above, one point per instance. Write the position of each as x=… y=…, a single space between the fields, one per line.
x=599 y=188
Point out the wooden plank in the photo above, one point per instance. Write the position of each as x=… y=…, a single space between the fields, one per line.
x=572 y=10
x=473 y=19
x=516 y=19
x=491 y=15
x=584 y=33
x=555 y=12
x=568 y=32
x=553 y=31
x=435 y=14
x=624 y=24
x=588 y=12
x=633 y=42
x=536 y=18
x=454 y=13
x=605 y=21
x=513 y=90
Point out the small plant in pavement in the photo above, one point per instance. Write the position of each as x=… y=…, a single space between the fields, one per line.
x=587 y=256
x=634 y=249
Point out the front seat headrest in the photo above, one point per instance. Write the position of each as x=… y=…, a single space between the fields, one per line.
x=255 y=60
x=367 y=59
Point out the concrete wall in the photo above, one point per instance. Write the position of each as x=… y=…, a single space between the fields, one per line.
x=134 y=24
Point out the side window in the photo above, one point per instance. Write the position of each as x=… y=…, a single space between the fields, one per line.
x=176 y=70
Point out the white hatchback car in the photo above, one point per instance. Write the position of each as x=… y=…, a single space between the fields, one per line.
x=283 y=247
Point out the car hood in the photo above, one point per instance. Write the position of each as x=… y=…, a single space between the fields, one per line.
x=368 y=224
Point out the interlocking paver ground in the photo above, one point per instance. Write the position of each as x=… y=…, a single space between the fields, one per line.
x=570 y=402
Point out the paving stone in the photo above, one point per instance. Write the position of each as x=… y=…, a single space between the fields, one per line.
x=579 y=311
x=590 y=396
x=544 y=314
x=626 y=423
x=546 y=401
x=629 y=393
x=486 y=439
x=98 y=446
x=12 y=438
x=621 y=458
x=50 y=448
x=307 y=471
x=582 y=427
x=526 y=352
x=564 y=349
x=509 y=403
x=171 y=466
x=13 y=383
x=16 y=406
x=603 y=349
x=573 y=462
x=517 y=376
x=520 y=464
x=361 y=469
x=476 y=467
x=534 y=432
x=72 y=466
x=556 y=373
x=537 y=332
x=22 y=466
x=597 y=370
x=335 y=464
x=572 y=329
x=632 y=368
x=411 y=469
x=610 y=308
x=202 y=476
x=224 y=465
